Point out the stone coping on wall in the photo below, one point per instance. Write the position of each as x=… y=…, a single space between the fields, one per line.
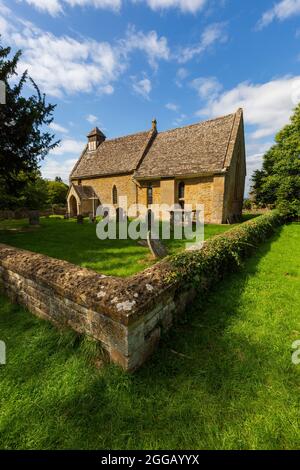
x=122 y=299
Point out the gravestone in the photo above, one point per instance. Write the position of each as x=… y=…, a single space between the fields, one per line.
x=80 y=219
x=34 y=218
x=92 y=219
x=156 y=247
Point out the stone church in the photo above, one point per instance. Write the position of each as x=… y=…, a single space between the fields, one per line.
x=203 y=163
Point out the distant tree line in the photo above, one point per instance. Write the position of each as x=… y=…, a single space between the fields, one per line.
x=39 y=193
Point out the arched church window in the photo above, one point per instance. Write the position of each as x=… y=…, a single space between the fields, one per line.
x=149 y=194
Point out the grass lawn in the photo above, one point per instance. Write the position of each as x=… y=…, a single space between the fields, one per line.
x=221 y=380
x=65 y=239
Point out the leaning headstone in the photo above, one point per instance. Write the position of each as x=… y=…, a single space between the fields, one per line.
x=80 y=219
x=34 y=218
x=92 y=219
x=156 y=247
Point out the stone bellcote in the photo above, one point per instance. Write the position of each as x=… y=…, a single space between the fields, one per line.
x=95 y=138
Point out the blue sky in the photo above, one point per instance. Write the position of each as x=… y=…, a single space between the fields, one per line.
x=119 y=63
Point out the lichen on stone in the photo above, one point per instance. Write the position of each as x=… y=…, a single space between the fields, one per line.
x=125 y=306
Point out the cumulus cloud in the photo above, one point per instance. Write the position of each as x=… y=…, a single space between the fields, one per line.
x=207 y=87
x=62 y=65
x=172 y=107
x=188 y=6
x=53 y=167
x=267 y=108
x=280 y=11
x=181 y=74
x=156 y=48
x=142 y=87
x=55 y=7
x=91 y=118
x=58 y=128
x=213 y=33
x=68 y=146
x=179 y=120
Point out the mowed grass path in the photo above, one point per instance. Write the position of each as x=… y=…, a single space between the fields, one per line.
x=233 y=386
x=65 y=239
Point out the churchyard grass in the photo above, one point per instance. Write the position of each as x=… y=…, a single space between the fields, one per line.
x=222 y=379
x=78 y=244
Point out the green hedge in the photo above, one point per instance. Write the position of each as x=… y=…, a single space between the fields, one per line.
x=223 y=253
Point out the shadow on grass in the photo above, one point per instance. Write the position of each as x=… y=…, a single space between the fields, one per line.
x=200 y=390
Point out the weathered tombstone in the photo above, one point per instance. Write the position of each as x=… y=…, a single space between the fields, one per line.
x=172 y=220
x=118 y=214
x=150 y=219
x=92 y=219
x=67 y=215
x=34 y=217
x=156 y=247
x=80 y=219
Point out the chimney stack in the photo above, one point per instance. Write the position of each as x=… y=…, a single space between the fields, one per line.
x=154 y=124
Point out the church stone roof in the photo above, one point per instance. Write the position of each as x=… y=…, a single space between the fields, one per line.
x=205 y=147
x=196 y=149
x=114 y=156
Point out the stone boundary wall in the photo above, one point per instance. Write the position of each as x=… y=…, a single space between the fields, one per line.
x=127 y=315
x=24 y=213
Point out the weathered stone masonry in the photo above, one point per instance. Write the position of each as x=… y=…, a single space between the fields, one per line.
x=126 y=315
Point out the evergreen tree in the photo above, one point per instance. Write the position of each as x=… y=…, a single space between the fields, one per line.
x=24 y=138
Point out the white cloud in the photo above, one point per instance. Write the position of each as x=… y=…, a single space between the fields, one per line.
x=156 y=48
x=172 y=107
x=267 y=108
x=142 y=87
x=181 y=75
x=212 y=34
x=280 y=11
x=53 y=167
x=91 y=118
x=68 y=146
x=179 y=120
x=190 y=6
x=207 y=87
x=55 y=7
x=58 y=128
x=62 y=65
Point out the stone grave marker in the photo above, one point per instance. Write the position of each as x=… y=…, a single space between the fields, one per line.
x=156 y=247
x=80 y=219
x=92 y=219
x=34 y=218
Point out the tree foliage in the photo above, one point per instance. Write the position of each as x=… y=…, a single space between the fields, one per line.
x=25 y=139
x=278 y=183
